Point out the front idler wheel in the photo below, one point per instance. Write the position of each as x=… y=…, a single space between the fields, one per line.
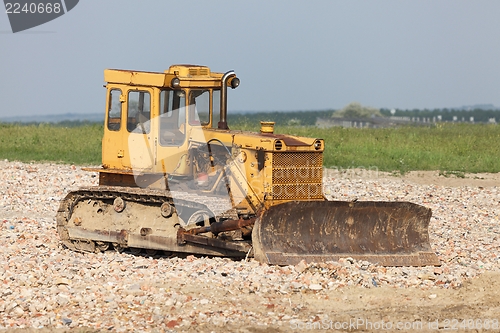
x=166 y=209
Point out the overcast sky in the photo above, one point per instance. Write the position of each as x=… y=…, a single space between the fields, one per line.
x=289 y=55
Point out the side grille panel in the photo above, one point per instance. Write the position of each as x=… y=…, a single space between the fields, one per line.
x=297 y=175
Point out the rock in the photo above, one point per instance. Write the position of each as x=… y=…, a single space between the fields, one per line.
x=173 y=323
x=62 y=281
x=6 y=293
x=17 y=310
x=62 y=299
x=301 y=266
x=66 y=321
x=315 y=286
x=426 y=276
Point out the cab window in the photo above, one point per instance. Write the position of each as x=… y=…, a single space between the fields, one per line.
x=138 y=112
x=114 y=110
x=172 y=117
x=199 y=107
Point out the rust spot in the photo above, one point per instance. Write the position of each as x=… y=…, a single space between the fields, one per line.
x=77 y=221
x=146 y=231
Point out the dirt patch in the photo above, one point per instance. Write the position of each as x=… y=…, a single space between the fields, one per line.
x=451 y=180
x=475 y=307
x=437 y=178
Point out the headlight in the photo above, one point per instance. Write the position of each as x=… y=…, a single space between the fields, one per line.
x=175 y=83
x=235 y=82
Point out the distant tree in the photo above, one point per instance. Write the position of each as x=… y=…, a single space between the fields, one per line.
x=294 y=122
x=356 y=110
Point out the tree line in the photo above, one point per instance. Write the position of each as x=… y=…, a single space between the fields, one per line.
x=479 y=115
x=308 y=118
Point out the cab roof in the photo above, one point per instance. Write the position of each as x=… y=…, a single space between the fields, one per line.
x=189 y=76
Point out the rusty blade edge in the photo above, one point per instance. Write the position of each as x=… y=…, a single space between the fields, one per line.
x=417 y=259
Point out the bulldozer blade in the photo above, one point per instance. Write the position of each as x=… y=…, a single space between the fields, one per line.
x=385 y=233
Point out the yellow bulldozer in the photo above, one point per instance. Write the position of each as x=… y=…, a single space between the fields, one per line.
x=175 y=178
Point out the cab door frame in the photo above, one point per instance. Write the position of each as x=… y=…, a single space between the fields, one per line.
x=123 y=148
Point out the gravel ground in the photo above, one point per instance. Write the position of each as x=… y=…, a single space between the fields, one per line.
x=46 y=287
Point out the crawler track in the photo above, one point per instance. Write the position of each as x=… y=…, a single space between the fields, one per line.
x=98 y=236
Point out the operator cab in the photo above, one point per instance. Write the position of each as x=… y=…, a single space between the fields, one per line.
x=152 y=118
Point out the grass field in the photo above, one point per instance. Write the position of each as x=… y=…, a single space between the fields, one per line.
x=77 y=145
x=451 y=148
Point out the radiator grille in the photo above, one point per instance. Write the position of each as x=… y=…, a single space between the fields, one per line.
x=297 y=159
x=297 y=175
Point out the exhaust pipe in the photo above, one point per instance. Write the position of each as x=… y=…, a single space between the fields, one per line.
x=223 y=98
